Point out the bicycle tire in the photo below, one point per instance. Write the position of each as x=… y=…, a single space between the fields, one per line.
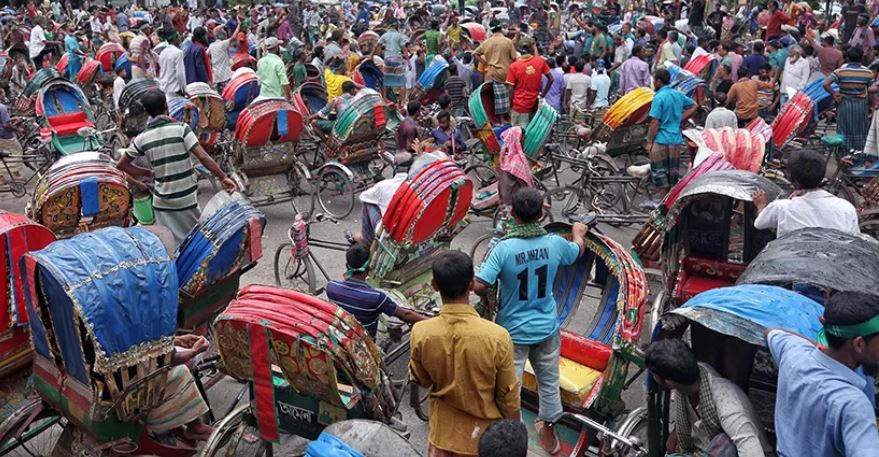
x=302 y=189
x=481 y=175
x=571 y=142
x=236 y=429
x=335 y=192
x=293 y=273
x=480 y=248
x=31 y=430
x=568 y=200
x=36 y=154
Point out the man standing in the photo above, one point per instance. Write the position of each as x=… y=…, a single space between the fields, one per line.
x=796 y=73
x=744 y=95
x=8 y=142
x=37 y=43
x=169 y=146
x=172 y=70
x=395 y=46
x=862 y=37
x=829 y=58
x=74 y=52
x=468 y=361
x=525 y=263
x=669 y=109
x=755 y=59
x=221 y=63
x=600 y=86
x=271 y=72
x=634 y=72
x=525 y=78
x=195 y=59
x=495 y=55
x=577 y=86
x=711 y=413
x=777 y=18
x=824 y=406
x=853 y=80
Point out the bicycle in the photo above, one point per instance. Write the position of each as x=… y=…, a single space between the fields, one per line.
x=601 y=187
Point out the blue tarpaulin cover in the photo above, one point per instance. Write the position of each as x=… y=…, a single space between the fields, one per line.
x=745 y=311
x=121 y=281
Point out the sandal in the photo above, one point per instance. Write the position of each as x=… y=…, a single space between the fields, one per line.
x=550 y=444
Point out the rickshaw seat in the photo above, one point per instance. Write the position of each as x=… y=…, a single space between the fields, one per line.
x=70 y=123
x=581 y=365
x=700 y=274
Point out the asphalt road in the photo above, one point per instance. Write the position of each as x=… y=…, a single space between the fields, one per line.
x=279 y=219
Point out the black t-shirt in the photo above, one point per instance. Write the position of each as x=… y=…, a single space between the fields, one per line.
x=697 y=13
x=723 y=86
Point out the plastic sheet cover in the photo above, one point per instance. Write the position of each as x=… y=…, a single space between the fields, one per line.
x=122 y=280
x=745 y=311
x=820 y=257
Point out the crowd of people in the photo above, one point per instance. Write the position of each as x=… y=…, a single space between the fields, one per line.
x=577 y=60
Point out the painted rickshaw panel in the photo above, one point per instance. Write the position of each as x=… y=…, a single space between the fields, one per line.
x=820 y=257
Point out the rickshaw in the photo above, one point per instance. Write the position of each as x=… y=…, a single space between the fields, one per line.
x=595 y=357
x=707 y=235
x=203 y=110
x=726 y=327
x=241 y=90
x=815 y=262
x=210 y=261
x=352 y=156
x=133 y=116
x=262 y=158
x=67 y=118
x=308 y=364
x=79 y=193
x=102 y=333
x=19 y=235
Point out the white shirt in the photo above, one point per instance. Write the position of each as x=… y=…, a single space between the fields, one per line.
x=721 y=117
x=698 y=52
x=601 y=86
x=95 y=25
x=221 y=61
x=37 y=41
x=796 y=74
x=579 y=85
x=172 y=75
x=817 y=208
x=118 y=86
x=383 y=191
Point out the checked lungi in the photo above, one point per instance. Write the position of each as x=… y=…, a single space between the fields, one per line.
x=394 y=71
x=182 y=403
x=665 y=165
x=852 y=122
x=501 y=98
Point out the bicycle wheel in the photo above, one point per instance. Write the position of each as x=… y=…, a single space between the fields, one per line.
x=571 y=141
x=30 y=436
x=335 y=192
x=480 y=249
x=292 y=273
x=606 y=197
x=568 y=201
x=236 y=435
x=481 y=175
x=302 y=188
x=36 y=154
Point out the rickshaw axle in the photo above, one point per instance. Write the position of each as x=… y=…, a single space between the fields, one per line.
x=591 y=423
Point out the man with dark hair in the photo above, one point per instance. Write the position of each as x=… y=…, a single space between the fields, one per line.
x=668 y=111
x=755 y=59
x=853 y=80
x=809 y=205
x=468 y=361
x=408 y=134
x=525 y=263
x=195 y=59
x=525 y=78
x=721 y=117
x=825 y=404
x=363 y=301
x=829 y=58
x=326 y=117
x=169 y=145
x=712 y=415
x=172 y=69
x=504 y=438
x=744 y=94
x=495 y=55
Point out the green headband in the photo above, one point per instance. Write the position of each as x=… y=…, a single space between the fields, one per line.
x=848 y=332
x=353 y=271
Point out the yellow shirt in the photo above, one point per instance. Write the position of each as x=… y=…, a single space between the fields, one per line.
x=469 y=362
x=334 y=84
x=353 y=62
x=498 y=53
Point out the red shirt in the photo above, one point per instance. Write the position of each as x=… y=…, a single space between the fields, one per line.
x=776 y=20
x=525 y=75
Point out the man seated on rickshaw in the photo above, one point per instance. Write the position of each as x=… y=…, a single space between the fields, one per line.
x=182 y=410
x=713 y=416
x=808 y=205
x=448 y=137
x=326 y=117
x=362 y=300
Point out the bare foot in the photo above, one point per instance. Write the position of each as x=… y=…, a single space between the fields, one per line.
x=197 y=431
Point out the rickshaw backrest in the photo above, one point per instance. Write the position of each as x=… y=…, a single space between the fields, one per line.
x=270 y=120
x=365 y=117
x=102 y=309
x=18 y=236
x=219 y=246
x=317 y=346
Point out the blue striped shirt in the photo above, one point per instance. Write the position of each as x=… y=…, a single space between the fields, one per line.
x=365 y=302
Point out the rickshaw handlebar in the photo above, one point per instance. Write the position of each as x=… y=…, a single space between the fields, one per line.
x=633 y=444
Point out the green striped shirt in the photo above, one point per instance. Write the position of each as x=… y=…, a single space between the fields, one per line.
x=168 y=146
